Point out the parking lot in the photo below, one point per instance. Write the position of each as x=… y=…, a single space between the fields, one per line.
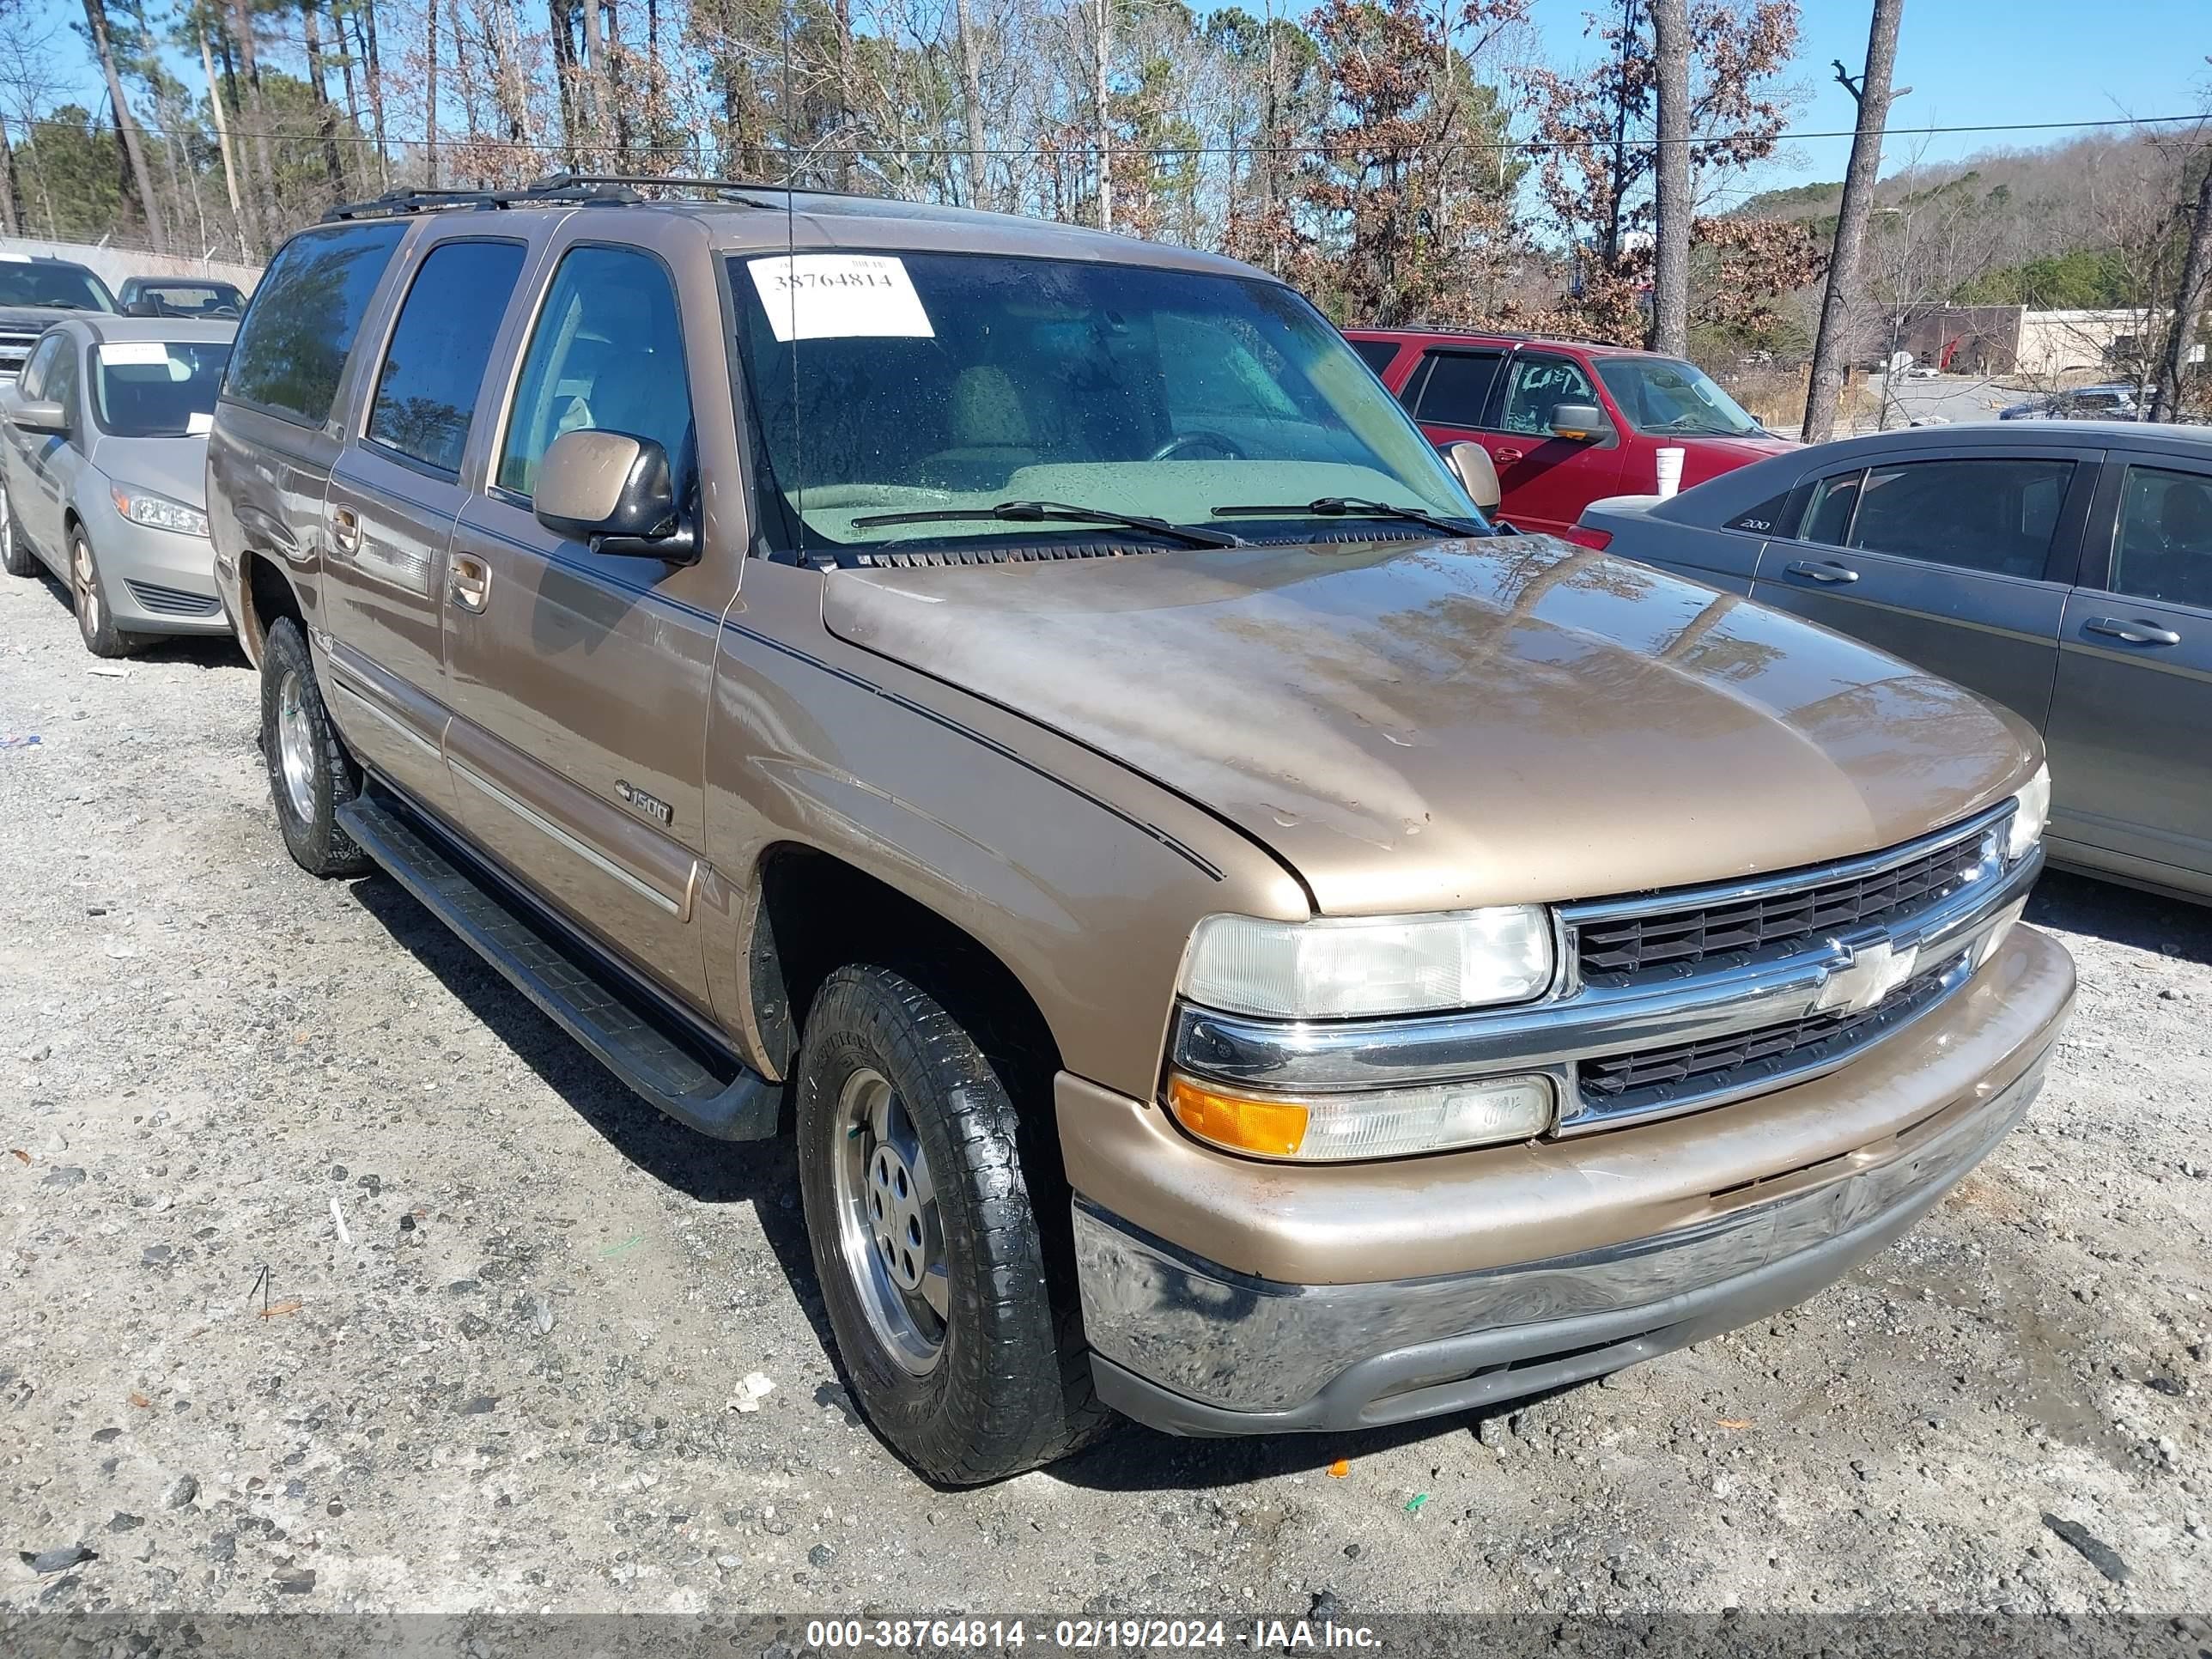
x=336 y=1276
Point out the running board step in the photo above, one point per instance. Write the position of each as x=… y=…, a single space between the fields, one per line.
x=668 y=1074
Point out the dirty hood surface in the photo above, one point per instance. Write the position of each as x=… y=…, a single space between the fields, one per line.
x=1427 y=725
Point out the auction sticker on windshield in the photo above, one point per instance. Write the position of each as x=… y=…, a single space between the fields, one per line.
x=839 y=296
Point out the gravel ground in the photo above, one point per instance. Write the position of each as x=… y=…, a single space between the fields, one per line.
x=334 y=1277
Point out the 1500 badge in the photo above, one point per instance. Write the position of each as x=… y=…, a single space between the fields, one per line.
x=638 y=802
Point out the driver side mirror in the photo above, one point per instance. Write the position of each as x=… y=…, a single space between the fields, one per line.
x=1583 y=422
x=615 y=492
x=34 y=414
x=1477 y=474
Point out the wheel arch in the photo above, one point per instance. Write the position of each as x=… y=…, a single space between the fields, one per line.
x=265 y=592
x=814 y=912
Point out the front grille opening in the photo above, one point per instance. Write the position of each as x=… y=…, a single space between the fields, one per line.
x=1637 y=950
x=1649 y=1078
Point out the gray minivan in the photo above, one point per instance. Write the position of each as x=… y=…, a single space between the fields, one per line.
x=2063 y=568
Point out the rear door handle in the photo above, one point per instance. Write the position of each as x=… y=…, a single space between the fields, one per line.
x=346 y=529
x=2137 y=632
x=471 y=583
x=1822 y=570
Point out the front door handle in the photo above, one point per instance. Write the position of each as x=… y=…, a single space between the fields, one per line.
x=1507 y=457
x=1822 y=570
x=346 y=529
x=2137 y=632
x=471 y=583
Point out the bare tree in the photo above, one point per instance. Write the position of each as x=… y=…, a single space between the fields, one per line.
x=1101 y=105
x=971 y=100
x=249 y=234
x=134 y=148
x=2190 y=298
x=1873 y=94
x=1670 y=265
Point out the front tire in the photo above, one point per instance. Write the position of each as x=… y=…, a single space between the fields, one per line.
x=309 y=774
x=959 y=1341
x=89 y=594
x=15 y=558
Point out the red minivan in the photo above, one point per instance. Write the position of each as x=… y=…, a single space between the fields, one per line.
x=1566 y=423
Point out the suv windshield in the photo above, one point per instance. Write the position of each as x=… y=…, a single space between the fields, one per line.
x=931 y=389
x=1662 y=394
x=52 y=283
x=158 y=389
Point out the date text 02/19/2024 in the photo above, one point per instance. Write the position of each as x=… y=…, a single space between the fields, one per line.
x=1078 y=1635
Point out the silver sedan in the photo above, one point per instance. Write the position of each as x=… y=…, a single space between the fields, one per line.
x=103 y=456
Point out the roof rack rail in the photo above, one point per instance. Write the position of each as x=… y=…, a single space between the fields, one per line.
x=559 y=188
x=650 y=180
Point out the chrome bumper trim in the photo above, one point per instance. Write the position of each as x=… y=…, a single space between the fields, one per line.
x=1251 y=1345
x=1353 y=1055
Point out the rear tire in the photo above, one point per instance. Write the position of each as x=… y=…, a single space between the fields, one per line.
x=961 y=1343
x=15 y=558
x=89 y=594
x=309 y=774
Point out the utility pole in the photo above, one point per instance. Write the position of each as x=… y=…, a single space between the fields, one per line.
x=1872 y=92
x=1670 y=268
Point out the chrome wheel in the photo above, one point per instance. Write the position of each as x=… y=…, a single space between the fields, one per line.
x=84 y=581
x=295 y=747
x=888 y=1237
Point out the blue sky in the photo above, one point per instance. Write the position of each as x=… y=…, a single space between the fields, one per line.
x=1968 y=62
x=1974 y=62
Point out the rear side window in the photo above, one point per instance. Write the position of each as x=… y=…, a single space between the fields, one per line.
x=1987 y=514
x=426 y=389
x=2163 y=551
x=293 y=346
x=1375 y=354
x=1457 y=390
x=1828 y=514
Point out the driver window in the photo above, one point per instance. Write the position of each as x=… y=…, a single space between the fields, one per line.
x=2163 y=551
x=1540 y=385
x=606 y=355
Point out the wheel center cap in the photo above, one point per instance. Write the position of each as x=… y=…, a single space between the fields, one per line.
x=895 y=1216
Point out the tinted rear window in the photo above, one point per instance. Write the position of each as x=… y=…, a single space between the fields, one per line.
x=292 y=347
x=1375 y=354
x=1457 y=390
x=436 y=363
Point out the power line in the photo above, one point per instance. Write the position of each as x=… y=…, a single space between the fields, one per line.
x=1508 y=146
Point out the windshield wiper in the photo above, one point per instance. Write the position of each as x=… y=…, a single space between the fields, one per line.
x=1352 y=506
x=1052 y=513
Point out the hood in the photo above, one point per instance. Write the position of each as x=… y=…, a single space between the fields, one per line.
x=1434 y=726
x=37 y=319
x=175 y=467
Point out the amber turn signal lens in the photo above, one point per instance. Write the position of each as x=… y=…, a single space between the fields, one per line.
x=1272 y=1128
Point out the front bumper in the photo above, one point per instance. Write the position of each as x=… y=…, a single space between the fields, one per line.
x=156 y=582
x=1677 y=1230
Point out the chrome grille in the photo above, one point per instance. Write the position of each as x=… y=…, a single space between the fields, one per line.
x=14 y=349
x=1656 y=944
x=1744 y=1062
x=172 y=601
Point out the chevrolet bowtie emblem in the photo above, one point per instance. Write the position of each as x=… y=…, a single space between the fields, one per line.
x=1874 y=968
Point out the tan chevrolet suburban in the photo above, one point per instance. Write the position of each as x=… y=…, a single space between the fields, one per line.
x=1238 y=941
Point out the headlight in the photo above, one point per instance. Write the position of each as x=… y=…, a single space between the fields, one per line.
x=2031 y=811
x=1345 y=967
x=1383 y=1123
x=159 y=512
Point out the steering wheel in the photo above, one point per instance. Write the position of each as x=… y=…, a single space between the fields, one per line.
x=1227 y=447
